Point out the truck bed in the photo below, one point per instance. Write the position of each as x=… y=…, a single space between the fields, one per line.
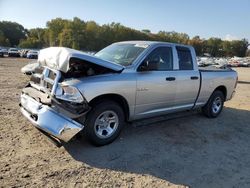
x=213 y=77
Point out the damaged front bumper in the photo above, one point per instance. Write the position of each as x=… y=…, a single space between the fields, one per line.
x=48 y=120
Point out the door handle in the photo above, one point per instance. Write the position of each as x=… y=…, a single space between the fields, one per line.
x=194 y=77
x=170 y=78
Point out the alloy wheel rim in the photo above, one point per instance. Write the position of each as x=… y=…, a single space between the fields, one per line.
x=106 y=124
x=217 y=104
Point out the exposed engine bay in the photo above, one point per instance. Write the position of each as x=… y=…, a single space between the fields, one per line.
x=80 y=68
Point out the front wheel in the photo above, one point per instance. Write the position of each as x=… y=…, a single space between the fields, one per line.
x=214 y=105
x=104 y=123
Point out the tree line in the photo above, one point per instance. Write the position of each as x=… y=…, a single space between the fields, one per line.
x=91 y=36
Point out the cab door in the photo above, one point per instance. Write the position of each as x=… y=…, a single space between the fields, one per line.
x=187 y=78
x=156 y=83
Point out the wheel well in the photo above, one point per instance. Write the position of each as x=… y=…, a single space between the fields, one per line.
x=223 y=89
x=112 y=97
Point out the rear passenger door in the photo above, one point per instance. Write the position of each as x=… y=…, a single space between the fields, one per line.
x=187 y=78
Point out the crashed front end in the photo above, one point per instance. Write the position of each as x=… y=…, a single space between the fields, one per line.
x=51 y=106
x=50 y=101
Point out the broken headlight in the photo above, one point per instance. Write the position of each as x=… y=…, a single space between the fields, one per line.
x=69 y=93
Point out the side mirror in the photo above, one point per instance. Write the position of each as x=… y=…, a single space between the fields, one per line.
x=144 y=66
x=149 y=65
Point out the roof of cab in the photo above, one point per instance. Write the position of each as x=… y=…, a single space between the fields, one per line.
x=151 y=43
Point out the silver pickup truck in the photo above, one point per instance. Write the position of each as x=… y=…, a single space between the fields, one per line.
x=71 y=91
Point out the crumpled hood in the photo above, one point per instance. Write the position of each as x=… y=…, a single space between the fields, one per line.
x=58 y=58
x=30 y=68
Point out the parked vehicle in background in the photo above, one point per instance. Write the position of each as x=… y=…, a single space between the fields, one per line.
x=24 y=53
x=1 y=53
x=5 y=51
x=32 y=54
x=233 y=64
x=247 y=62
x=13 y=52
x=72 y=91
x=221 y=62
x=205 y=61
x=237 y=62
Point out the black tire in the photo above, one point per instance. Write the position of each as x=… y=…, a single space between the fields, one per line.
x=209 y=108
x=91 y=128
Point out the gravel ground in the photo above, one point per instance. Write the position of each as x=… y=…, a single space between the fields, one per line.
x=192 y=151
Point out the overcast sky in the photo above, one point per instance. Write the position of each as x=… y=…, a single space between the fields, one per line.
x=227 y=19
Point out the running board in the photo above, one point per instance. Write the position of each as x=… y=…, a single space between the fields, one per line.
x=150 y=121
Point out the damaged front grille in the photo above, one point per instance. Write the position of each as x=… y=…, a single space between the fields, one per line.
x=48 y=86
x=43 y=87
x=45 y=79
x=39 y=70
x=36 y=77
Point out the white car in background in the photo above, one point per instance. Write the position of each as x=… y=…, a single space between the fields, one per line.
x=32 y=54
x=13 y=52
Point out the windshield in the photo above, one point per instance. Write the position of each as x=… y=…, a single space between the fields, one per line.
x=121 y=53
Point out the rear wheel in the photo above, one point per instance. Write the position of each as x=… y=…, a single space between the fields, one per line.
x=214 y=105
x=104 y=123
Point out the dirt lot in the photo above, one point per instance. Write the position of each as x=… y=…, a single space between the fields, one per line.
x=190 y=151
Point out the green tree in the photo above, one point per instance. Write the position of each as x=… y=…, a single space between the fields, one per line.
x=12 y=32
x=35 y=39
x=248 y=53
x=55 y=27
x=3 y=40
x=239 y=47
x=89 y=35
x=146 y=31
x=30 y=43
x=92 y=33
x=66 y=38
x=214 y=47
x=197 y=43
x=77 y=26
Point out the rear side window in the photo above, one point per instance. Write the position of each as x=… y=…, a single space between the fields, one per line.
x=185 y=58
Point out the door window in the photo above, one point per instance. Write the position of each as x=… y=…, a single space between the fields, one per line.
x=185 y=58
x=160 y=59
